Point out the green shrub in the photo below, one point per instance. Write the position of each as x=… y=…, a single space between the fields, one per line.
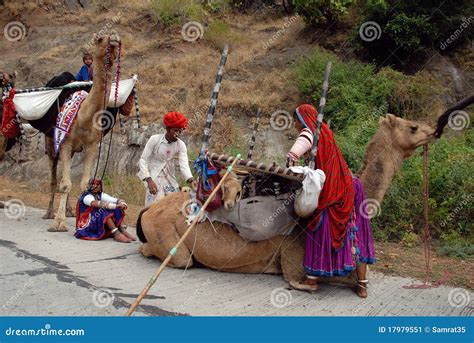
x=454 y=245
x=409 y=239
x=357 y=97
x=356 y=92
x=174 y=12
x=317 y=11
x=408 y=30
x=219 y=33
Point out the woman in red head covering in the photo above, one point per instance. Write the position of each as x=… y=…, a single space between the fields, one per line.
x=337 y=239
x=162 y=153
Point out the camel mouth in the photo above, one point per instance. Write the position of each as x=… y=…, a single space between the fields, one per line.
x=114 y=42
x=428 y=140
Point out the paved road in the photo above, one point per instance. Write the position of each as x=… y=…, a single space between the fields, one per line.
x=44 y=273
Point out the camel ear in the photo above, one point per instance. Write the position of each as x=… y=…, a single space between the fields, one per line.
x=381 y=119
x=392 y=120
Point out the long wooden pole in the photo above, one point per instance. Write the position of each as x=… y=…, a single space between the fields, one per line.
x=257 y=166
x=173 y=250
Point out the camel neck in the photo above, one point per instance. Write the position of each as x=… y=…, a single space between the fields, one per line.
x=381 y=161
x=99 y=91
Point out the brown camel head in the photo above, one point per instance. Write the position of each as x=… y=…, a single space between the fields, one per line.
x=101 y=44
x=231 y=191
x=406 y=134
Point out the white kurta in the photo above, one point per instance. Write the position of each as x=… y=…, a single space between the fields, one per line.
x=158 y=161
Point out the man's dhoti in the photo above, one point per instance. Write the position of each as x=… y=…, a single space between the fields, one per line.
x=166 y=183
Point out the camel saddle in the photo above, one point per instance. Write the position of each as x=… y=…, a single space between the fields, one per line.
x=260 y=217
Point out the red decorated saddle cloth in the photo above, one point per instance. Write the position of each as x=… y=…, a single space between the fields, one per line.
x=66 y=118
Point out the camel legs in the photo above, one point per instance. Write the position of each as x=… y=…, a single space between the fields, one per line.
x=59 y=224
x=70 y=212
x=53 y=167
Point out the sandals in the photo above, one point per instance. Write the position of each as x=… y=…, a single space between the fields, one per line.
x=361 y=288
x=308 y=284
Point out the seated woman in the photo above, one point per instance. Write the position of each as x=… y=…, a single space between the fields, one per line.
x=338 y=236
x=99 y=215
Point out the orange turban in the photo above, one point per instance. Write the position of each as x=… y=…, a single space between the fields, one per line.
x=175 y=120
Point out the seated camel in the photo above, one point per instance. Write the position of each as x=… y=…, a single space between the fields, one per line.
x=160 y=236
x=220 y=247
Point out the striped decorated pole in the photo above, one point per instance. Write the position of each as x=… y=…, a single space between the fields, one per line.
x=322 y=103
x=137 y=109
x=213 y=104
x=254 y=134
x=256 y=166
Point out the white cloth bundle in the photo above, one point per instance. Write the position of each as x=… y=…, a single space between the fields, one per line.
x=34 y=105
x=307 y=198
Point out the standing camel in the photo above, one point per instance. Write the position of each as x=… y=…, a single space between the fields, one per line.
x=86 y=131
x=219 y=247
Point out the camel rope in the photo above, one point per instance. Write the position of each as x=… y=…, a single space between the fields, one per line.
x=173 y=250
x=426 y=229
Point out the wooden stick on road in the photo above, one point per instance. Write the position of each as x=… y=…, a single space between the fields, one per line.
x=173 y=250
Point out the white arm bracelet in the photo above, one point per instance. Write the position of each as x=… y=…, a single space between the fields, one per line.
x=110 y=206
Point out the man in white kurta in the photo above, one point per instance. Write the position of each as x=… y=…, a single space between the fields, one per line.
x=163 y=154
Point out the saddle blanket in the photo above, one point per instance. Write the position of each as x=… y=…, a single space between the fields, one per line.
x=66 y=118
x=260 y=217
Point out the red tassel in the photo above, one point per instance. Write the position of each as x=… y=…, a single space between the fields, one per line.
x=10 y=127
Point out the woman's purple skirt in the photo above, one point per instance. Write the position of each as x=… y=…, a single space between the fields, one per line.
x=322 y=260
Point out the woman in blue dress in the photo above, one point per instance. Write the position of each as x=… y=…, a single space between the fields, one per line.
x=100 y=216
